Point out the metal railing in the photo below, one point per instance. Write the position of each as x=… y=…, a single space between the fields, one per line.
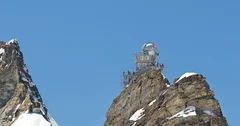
x=128 y=76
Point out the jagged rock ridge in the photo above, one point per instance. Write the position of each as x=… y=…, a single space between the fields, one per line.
x=17 y=90
x=149 y=100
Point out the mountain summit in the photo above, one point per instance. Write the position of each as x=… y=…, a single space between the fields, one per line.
x=149 y=100
x=20 y=102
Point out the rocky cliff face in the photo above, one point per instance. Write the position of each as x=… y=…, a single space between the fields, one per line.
x=149 y=100
x=17 y=90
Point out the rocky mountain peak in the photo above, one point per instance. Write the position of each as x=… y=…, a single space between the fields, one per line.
x=149 y=100
x=19 y=96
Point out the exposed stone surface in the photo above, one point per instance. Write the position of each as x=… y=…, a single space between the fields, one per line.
x=17 y=90
x=162 y=105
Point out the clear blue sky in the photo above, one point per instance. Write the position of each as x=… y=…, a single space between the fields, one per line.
x=75 y=49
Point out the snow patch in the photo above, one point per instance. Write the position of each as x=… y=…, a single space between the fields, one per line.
x=7 y=65
x=164 y=92
x=137 y=115
x=134 y=123
x=188 y=74
x=151 y=103
x=15 y=111
x=2 y=51
x=163 y=76
x=208 y=112
x=31 y=84
x=24 y=79
x=23 y=102
x=189 y=111
x=11 y=41
x=167 y=84
x=33 y=119
x=25 y=69
x=18 y=107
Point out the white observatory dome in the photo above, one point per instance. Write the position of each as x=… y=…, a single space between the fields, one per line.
x=150 y=48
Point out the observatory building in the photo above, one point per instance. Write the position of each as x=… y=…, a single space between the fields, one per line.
x=145 y=60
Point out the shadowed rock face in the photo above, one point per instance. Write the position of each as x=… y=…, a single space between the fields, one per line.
x=8 y=75
x=148 y=101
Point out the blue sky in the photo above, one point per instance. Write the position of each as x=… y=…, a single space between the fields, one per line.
x=76 y=50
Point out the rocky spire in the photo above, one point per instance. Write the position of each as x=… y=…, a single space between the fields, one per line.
x=17 y=90
x=150 y=101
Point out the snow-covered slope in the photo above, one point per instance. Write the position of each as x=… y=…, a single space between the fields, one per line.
x=31 y=119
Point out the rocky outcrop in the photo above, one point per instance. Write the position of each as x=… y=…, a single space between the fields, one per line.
x=149 y=100
x=17 y=90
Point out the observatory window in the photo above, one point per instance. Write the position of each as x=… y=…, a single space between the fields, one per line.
x=147 y=57
x=151 y=52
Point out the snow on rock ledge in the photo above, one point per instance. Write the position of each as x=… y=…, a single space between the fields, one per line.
x=11 y=41
x=188 y=74
x=2 y=51
x=151 y=103
x=137 y=115
x=189 y=111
